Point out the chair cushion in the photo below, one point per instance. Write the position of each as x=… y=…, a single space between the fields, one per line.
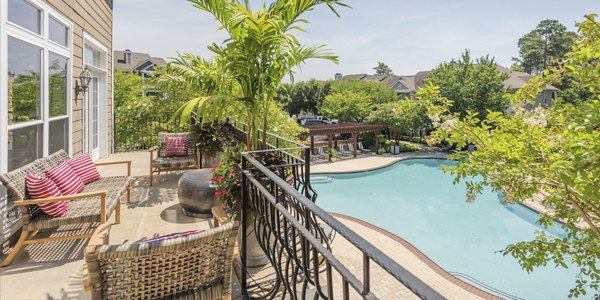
x=172 y=236
x=85 y=168
x=66 y=179
x=43 y=187
x=174 y=162
x=176 y=146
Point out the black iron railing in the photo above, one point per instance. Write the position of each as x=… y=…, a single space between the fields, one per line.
x=297 y=236
x=134 y=132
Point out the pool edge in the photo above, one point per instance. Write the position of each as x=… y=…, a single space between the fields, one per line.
x=424 y=258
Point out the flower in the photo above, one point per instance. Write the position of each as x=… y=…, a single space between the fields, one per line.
x=218 y=194
x=232 y=171
x=213 y=170
x=221 y=178
x=225 y=191
x=212 y=179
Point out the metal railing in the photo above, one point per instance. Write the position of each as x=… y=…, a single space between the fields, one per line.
x=297 y=236
x=135 y=132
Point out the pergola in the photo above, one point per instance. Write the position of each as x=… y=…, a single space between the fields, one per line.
x=331 y=130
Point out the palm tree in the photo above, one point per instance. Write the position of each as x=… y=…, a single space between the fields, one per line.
x=260 y=51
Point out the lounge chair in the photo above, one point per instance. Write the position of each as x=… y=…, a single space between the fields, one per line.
x=321 y=152
x=196 y=266
x=362 y=149
x=342 y=151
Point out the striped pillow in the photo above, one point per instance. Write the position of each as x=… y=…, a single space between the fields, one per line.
x=66 y=179
x=43 y=187
x=177 y=146
x=85 y=168
x=173 y=236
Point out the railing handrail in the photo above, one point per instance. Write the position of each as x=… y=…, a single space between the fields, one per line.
x=392 y=267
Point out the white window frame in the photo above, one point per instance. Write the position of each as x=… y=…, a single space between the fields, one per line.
x=9 y=29
x=91 y=42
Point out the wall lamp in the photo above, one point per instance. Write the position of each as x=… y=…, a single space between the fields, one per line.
x=84 y=79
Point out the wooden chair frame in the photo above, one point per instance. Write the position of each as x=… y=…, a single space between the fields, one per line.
x=158 y=170
x=27 y=237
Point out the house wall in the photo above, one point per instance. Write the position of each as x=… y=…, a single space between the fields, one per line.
x=95 y=17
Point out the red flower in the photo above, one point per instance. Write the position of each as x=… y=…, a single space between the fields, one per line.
x=221 y=178
x=213 y=170
x=225 y=191
x=212 y=179
x=218 y=194
x=219 y=165
x=232 y=171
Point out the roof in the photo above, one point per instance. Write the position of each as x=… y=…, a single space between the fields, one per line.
x=139 y=61
x=407 y=82
x=327 y=129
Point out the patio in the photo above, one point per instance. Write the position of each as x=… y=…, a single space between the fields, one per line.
x=56 y=268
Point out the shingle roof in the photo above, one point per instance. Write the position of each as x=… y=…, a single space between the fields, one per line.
x=137 y=60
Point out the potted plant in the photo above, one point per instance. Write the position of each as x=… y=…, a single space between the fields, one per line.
x=332 y=154
x=213 y=139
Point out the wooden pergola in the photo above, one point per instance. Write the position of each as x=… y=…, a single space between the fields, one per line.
x=331 y=130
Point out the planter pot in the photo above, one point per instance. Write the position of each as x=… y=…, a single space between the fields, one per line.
x=255 y=256
x=212 y=160
x=395 y=149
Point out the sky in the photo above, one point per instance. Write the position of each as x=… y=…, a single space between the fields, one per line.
x=409 y=36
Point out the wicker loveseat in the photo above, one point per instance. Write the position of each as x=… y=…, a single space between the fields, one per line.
x=94 y=205
x=161 y=163
x=191 y=267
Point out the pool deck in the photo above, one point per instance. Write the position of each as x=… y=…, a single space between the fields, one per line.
x=372 y=162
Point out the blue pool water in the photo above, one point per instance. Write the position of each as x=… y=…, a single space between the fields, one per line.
x=415 y=200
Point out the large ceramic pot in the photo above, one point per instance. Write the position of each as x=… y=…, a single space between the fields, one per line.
x=255 y=256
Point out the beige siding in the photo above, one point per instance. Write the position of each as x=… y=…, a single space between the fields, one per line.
x=96 y=19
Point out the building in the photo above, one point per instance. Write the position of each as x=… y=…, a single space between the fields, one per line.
x=56 y=83
x=137 y=62
x=406 y=86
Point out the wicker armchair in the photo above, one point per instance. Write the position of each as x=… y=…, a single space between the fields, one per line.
x=164 y=164
x=91 y=207
x=191 y=267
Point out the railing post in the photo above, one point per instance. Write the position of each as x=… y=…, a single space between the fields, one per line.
x=243 y=283
x=307 y=159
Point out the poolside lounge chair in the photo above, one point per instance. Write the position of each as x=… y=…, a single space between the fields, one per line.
x=342 y=151
x=362 y=149
x=321 y=152
x=196 y=266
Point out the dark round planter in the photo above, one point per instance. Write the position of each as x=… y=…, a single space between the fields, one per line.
x=196 y=193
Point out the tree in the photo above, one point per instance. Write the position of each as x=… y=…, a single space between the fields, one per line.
x=383 y=69
x=379 y=92
x=549 y=41
x=475 y=86
x=304 y=96
x=408 y=115
x=259 y=52
x=550 y=153
x=347 y=106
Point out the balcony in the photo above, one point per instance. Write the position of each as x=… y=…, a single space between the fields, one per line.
x=312 y=254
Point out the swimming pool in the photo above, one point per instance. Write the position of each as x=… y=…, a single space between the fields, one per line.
x=415 y=200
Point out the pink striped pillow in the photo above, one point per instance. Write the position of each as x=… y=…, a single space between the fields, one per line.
x=173 y=236
x=177 y=146
x=85 y=168
x=66 y=179
x=43 y=187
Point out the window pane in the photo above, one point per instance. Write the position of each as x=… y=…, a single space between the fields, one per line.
x=24 y=83
x=58 y=32
x=24 y=146
x=93 y=57
x=25 y=15
x=59 y=135
x=57 y=71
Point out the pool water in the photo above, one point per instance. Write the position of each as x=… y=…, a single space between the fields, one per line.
x=418 y=202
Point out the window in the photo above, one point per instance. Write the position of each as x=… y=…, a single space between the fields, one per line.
x=57 y=32
x=93 y=57
x=38 y=83
x=24 y=82
x=25 y=15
